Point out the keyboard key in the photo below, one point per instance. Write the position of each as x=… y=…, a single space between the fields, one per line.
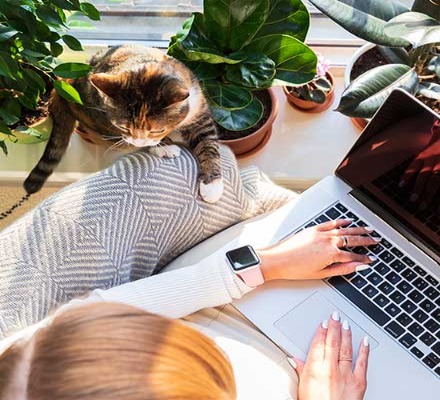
x=420 y=316
x=397 y=265
x=370 y=291
x=365 y=272
x=431 y=360
x=381 y=300
x=321 y=219
x=436 y=314
x=386 y=287
x=394 y=329
x=361 y=223
x=396 y=252
x=376 y=249
x=437 y=371
x=431 y=325
x=349 y=276
x=407 y=340
x=409 y=306
x=386 y=243
x=408 y=261
x=416 y=296
x=357 y=298
x=416 y=329
x=393 y=278
x=382 y=268
x=333 y=213
x=427 y=306
x=341 y=208
x=409 y=275
x=375 y=279
x=360 y=250
x=352 y=216
x=310 y=224
x=358 y=281
x=417 y=352
x=375 y=234
x=397 y=297
x=432 y=293
x=404 y=319
x=432 y=280
x=404 y=287
x=386 y=256
x=419 y=270
x=436 y=348
x=393 y=310
x=420 y=284
x=427 y=338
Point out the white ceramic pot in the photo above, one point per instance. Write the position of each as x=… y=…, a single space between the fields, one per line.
x=361 y=50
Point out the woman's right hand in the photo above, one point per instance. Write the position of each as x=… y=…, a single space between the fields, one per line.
x=328 y=373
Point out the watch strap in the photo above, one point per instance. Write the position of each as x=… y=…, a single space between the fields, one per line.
x=252 y=277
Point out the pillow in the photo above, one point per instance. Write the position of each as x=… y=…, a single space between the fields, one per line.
x=121 y=224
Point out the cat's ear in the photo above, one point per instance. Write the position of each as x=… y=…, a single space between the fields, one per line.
x=108 y=84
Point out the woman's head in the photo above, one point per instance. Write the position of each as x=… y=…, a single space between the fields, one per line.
x=113 y=351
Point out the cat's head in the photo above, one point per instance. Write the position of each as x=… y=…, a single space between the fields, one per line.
x=147 y=104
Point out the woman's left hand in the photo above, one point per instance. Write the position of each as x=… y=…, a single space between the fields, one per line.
x=317 y=252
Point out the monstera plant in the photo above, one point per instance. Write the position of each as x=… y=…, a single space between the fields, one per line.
x=239 y=47
x=408 y=40
x=32 y=34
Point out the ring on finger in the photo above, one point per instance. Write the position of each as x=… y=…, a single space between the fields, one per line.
x=344 y=241
x=345 y=359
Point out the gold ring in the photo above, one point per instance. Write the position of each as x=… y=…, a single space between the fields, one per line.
x=346 y=359
x=344 y=241
x=436 y=3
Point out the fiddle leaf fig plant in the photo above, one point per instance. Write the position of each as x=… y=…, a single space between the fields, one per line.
x=237 y=47
x=408 y=39
x=32 y=34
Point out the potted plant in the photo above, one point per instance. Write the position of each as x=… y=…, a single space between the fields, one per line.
x=238 y=49
x=402 y=53
x=31 y=37
x=318 y=94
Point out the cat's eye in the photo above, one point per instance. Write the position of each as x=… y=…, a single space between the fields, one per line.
x=161 y=131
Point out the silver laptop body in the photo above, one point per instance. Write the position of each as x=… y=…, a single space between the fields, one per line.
x=404 y=363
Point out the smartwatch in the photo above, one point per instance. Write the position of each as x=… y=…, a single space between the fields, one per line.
x=245 y=263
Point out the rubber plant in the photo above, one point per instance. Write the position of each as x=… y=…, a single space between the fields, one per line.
x=237 y=47
x=408 y=39
x=32 y=34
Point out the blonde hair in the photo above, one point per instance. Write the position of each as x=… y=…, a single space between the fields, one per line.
x=113 y=351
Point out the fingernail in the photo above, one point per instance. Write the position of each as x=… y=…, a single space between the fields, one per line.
x=325 y=324
x=372 y=258
x=377 y=239
x=349 y=220
x=414 y=197
x=345 y=325
x=292 y=363
x=362 y=267
x=369 y=229
x=335 y=316
x=366 y=341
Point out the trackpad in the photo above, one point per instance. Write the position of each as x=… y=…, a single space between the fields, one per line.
x=300 y=323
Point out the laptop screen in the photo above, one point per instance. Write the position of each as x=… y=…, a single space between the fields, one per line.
x=395 y=167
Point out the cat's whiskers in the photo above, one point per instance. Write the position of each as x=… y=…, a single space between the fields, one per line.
x=116 y=146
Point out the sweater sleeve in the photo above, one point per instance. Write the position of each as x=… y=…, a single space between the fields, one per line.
x=178 y=293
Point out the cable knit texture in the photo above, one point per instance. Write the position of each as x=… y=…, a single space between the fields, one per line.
x=118 y=225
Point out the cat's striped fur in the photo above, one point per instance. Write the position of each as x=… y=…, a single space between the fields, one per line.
x=143 y=97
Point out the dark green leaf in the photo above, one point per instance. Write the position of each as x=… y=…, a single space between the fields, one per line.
x=416 y=28
x=295 y=62
x=67 y=91
x=395 y=55
x=384 y=10
x=434 y=66
x=56 y=49
x=288 y=17
x=34 y=78
x=49 y=16
x=10 y=111
x=76 y=23
x=318 y=96
x=237 y=120
x=3 y=147
x=360 y=23
x=29 y=100
x=256 y=71
x=91 y=11
x=72 y=42
x=323 y=84
x=8 y=66
x=49 y=63
x=230 y=24
x=429 y=90
x=227 y=96
x=65 y=4
x=28 y=53
x=72 y=70
x=42 y=31
x=6 y=33
x=4 y=128
x=304 y=92
x=367 y=93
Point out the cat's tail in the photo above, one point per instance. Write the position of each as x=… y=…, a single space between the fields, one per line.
x=63 y=125
x=9 y=211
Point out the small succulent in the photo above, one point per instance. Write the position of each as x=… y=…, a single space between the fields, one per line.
x=318 y=89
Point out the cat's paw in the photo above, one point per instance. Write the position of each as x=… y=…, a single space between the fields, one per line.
x=212 y=192
x=168 y=151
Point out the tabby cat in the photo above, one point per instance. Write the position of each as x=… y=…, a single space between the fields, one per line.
x=143 y=97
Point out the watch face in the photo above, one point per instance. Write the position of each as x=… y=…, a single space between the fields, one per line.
x=242 y=258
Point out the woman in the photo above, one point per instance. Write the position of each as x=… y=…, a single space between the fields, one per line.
x=114 y=351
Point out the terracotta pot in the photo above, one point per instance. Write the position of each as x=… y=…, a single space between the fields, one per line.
x=360 y=123
x=308 y=105
x=250 y=144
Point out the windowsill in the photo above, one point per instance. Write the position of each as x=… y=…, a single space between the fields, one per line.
x=303 y=149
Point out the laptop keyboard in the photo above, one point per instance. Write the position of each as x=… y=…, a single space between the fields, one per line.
x=396 y=293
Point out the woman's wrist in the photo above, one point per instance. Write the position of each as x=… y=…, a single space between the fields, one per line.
x=268 y=265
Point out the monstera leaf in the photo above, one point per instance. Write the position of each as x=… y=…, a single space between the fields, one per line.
x=417 y=28
x=367 y=93
x=365 y=19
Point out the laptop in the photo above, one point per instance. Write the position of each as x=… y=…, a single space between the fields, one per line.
x=396 y=302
